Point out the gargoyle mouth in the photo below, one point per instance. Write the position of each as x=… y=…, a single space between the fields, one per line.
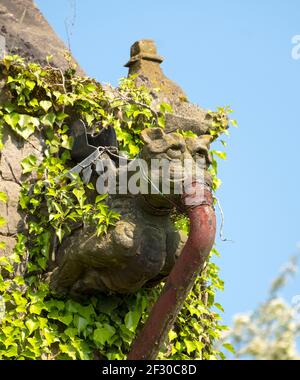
x=160 y=204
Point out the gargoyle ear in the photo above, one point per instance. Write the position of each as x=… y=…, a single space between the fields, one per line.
x=150 y=134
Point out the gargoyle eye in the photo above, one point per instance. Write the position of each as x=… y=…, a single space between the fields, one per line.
x=178 y=146
x=200 y=153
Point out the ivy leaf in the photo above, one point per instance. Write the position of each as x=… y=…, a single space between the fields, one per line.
x=80 y=195
x=26 y=120
x=103 y=334
x=199 y=345
x=29 y=164
x=220 y=154
x=25 y=133
x=50 y=336
x=2 y=221
x=165 y=107
x=60 y=116
x=90 y=87
x=190 y=346
x=68 y=349
x=66 y=319
x=32 y=325
x=24 y=125
x=42 y=262
x=10 y=79
x=234 y=123
x=71 y=332
x=186 y=133
x=4 y=260
x=172 y=335
x=54 y=304
x=81 y=323
x=218 y=306
x=12 y=351
x=30 y=84
x=45 y=105
x=132 y=319
x=161 y=121
x=83 y=349
x=48 y=119
x=60 y=234
x=58 y=208
x=89 y=119
x=36 y=308
x=85 y=311
x=229 y=347
x=133 y=149
x=12 y=119
x=67 y=142
x=9 y=107
x=19 y=280
x=3 y=197
x=90 y=186
x=100 y=198
x=34 y=103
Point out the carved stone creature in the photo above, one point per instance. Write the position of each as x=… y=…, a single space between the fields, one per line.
x=142 y=247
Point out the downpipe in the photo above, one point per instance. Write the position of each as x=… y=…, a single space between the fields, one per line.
x=199 y=205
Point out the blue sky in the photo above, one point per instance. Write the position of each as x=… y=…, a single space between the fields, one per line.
x=235 y=53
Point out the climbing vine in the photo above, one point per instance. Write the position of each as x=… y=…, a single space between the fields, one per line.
x=35 y=323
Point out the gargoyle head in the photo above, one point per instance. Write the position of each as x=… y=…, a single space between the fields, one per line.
x=172 y=163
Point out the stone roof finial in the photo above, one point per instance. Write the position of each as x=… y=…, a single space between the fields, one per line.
x=144 y=49
x=145 y=64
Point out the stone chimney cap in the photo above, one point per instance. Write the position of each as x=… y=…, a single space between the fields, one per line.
x=144 y=49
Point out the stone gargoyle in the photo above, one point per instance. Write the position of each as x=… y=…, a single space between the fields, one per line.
x=142 y=247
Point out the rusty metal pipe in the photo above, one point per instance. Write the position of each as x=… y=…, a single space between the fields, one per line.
x=182 y=277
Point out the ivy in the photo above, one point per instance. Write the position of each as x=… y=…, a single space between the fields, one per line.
x=35 y=322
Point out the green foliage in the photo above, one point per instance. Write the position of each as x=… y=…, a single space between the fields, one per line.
x=221 y=121
x=35 y=323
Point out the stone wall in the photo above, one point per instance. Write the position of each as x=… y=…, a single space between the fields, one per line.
x=29 y=35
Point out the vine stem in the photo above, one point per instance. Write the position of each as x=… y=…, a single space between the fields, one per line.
x=132 y=101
